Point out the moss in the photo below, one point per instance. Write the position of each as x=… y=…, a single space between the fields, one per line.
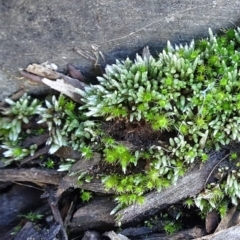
x=187 y=98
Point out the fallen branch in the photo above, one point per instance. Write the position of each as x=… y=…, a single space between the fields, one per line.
x=31 y=175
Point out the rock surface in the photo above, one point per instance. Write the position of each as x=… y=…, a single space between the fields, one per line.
x=39 y=31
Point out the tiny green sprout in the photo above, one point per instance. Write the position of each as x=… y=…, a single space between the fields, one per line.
x=87 y=152
x=85 y=196
x=70 y=105
x=40 y=131
x=88 y=178
x=110 y=182
x=222 y=209
x=147 y=97
x=233 y=156
x=171 y=227
x=31 y=216
x=204 y=157
x=15 y=230
x=189 y=203
x=49 y=163
x=200 y=122
x=161 y=122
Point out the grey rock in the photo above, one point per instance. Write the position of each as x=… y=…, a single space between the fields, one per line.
x=39 y=31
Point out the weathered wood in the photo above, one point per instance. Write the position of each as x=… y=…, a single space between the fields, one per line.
x=81 y=166
x=38 y=140
x=211 y=221
x=67 y=88
x=56 y=213
x=231 y=219
x=186 y=234
x=62 y=83
x=32 y=77
x=31 y=175
x=95 y=214
x=37 y=154
x=188 y=186
x=42 y=71
x=70 y=212
x=74 y=73
x=29 y=231
x=68 y=152
x=232 y=233
x=72 y=182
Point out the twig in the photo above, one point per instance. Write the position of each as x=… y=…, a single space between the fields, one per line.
x=56 y=213
x=32 y=77
x=214 y=169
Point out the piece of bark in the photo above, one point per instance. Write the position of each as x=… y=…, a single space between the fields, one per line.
x=114 y=236
x=32 y=77
x=68 y=152
x=57 y=216
x=211 y=221
x=31 y=175
x=231 y=219
x=93 y=215
x=37 y=154
x=85 y=165
x=38 y=140
x=72 y=182
x=232 y=233
x=136 y=231
x=14 y=97
x=186 y=234
x=81 y=166
x=70 y=212
x=29 y=231
x=74 y=73
x=64 y=87
x=188 y=186
x=42 y=71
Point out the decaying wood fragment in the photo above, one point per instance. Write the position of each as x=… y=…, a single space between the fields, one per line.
x=72 y=182
x=231 y=219
x=52 y=201
x=64 y=87
x=74 y=73
x=82 y=166
x=186 y=234
x=232 y=233
x=29 y=231
x=190 y=185
x=37 y=154
x=31 y=175
x=42 y=71
x=211 y=221
x=32 y=77
x=68 y=152
x=62 y=83
x=85 y=165
x=95 y=214
x=70 y=212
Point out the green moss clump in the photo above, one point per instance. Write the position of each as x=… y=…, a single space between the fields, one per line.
x=187 y=98
x=189 y=93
